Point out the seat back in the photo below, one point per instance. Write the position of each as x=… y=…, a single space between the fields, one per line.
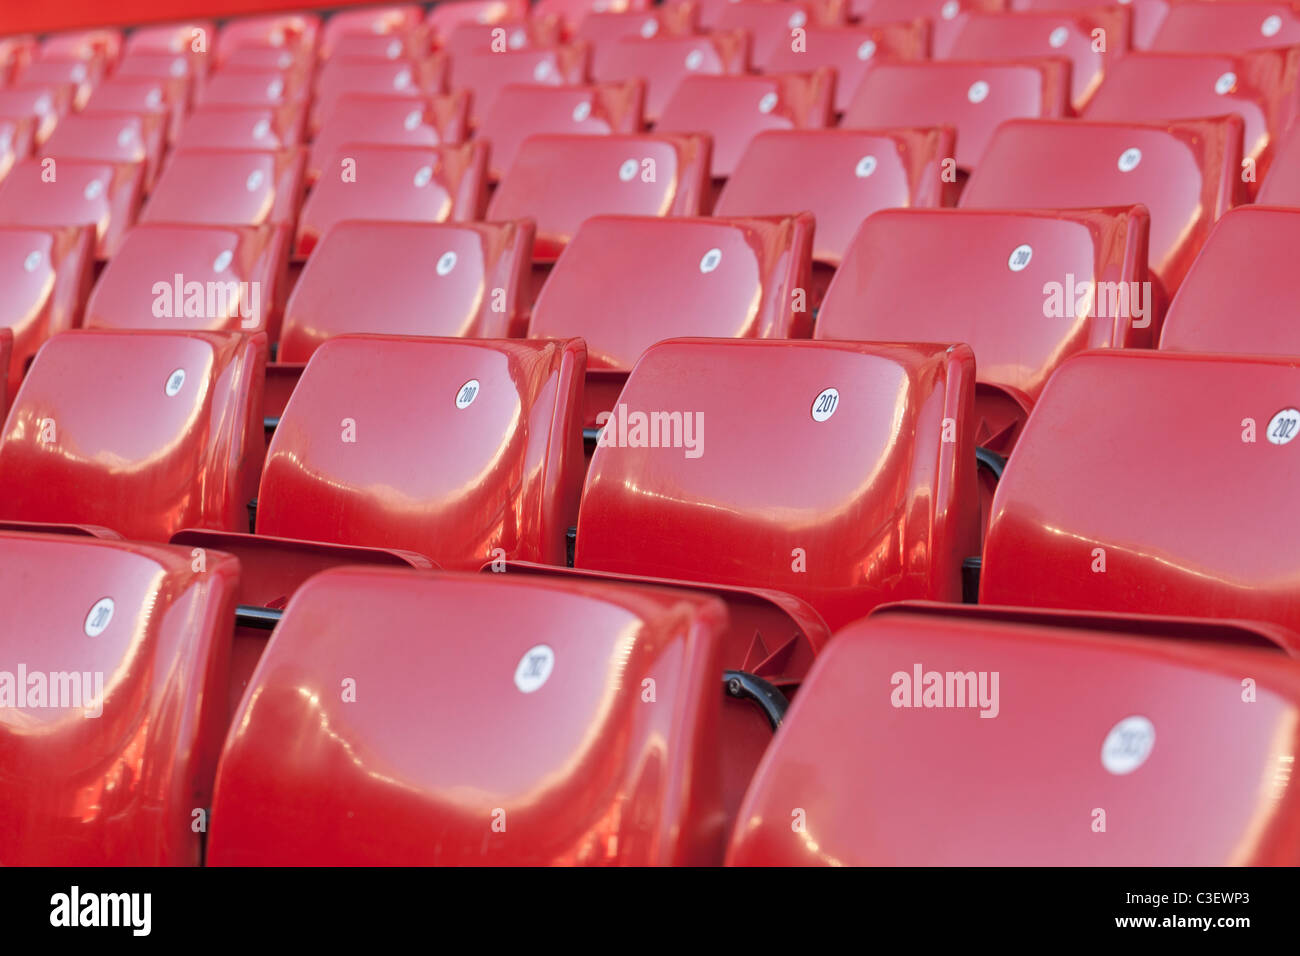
x=228 y=187
x=567 y=764
x=141 y=432
x=464 y=451
x=1160 y=502
x=106 y=762
x=1197 y=27
x=852 y=52
x=1094 y=753
x=874 y=498
x=72 y=192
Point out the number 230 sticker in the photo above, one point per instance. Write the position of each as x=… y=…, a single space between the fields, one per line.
x=1284 y=426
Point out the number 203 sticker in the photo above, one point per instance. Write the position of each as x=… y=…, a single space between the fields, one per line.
x=1284 y=426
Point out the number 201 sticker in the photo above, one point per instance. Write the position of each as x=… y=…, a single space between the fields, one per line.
x=824 y=405
x=1284 y=426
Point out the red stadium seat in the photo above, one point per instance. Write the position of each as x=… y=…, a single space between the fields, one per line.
x=288 y=31
x=947 y=17
x=111 y=138
x=573 y=12
x=857 y=173
x=71 y=192
x=396 y=183
x=228 y=187
x=1185 y=172
x=523 y=110
x=1207 y=434
x=142 y=94
x=396 y=20
x=874 y=500
x=45 y=104
x=142 y=432
x=983 y=278
x=1146 y=17
x=559 y=181
x=337 y=78
x=1064 y=34
x=1144 y=87
x=743 y=278
x=973 y=96
x=137 y=638
x=248 y=87
x=734 y=109
x=445 y=17
x=602 y=31
x=389 y=119
x=81 y=75
x=1229 y=303
x=467 y=39
x=576 y=659
x=1198 y=27
x=501 y=468
x=1097 y=755
x=193 y=39
x=850 y=51
x=196 y=278
x=484 y=75
x=103 y=46
x=664 y=61
x=411 y=278
x=243 y=127
x=45 y=275
x=771 y=23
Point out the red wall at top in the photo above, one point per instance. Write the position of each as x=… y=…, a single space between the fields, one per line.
x=39 y=16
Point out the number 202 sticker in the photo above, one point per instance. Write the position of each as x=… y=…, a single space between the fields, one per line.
x=1284 y=426
x=824 y=405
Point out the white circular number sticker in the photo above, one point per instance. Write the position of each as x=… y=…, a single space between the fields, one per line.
x=423 y=176
x=94 y=189
x=99 y=616
x=446 y=262
x=223 y=260
x=978 y=92
x=1284 y=426
x=1272 y=23
x=33 y=260
x=1020 y=257
x=711 y=260
x=174 y=382
x=627 y=170
x=1224 y=84
x=767 y=103
x=694 y=59
x=1058 y=37
x=467 y=393
x=254 y=181
x=950 y=9
x=582 y=112
x=867 y=50
x=823 y=406
x=866 y=166
x=1128 y=745
x=1129 y=159
x=534 y=668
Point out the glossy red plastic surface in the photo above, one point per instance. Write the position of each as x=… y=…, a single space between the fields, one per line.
x=290 y=31
x=1111 y=522
x=1198 y=27
x=394 y=183
x=717 y=277
x=734 y=109
x=82 y=75
x=306 y=778
x=17 y=134
x=941 y=786
x=243 y=128
x=858 y=173
x=111 y=138
x=972 y=96
x=45 y=276
x=227 y=187
x=94 y=437
x=951 y=276
x=45 y=104
x=397 y=19
x=946 y=17
x=114 y=778
x=445 y=17
x=770 y=24
x=523 y=110
x=1282 y=187
x=871 y=504
x=663 y=62
x=81 y=193
x=1187 y=174
x=1147 y=15
x=162 y=97
x=498 y=478
x=239 y=271
x=1228 y=303
x=560 y=181
x=444 y=279
x=1153 y=86
x=603 y=31
x=389 y=119
x=852 y=52
x=343 y=75
x=1068 y=35
x=485 y=74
